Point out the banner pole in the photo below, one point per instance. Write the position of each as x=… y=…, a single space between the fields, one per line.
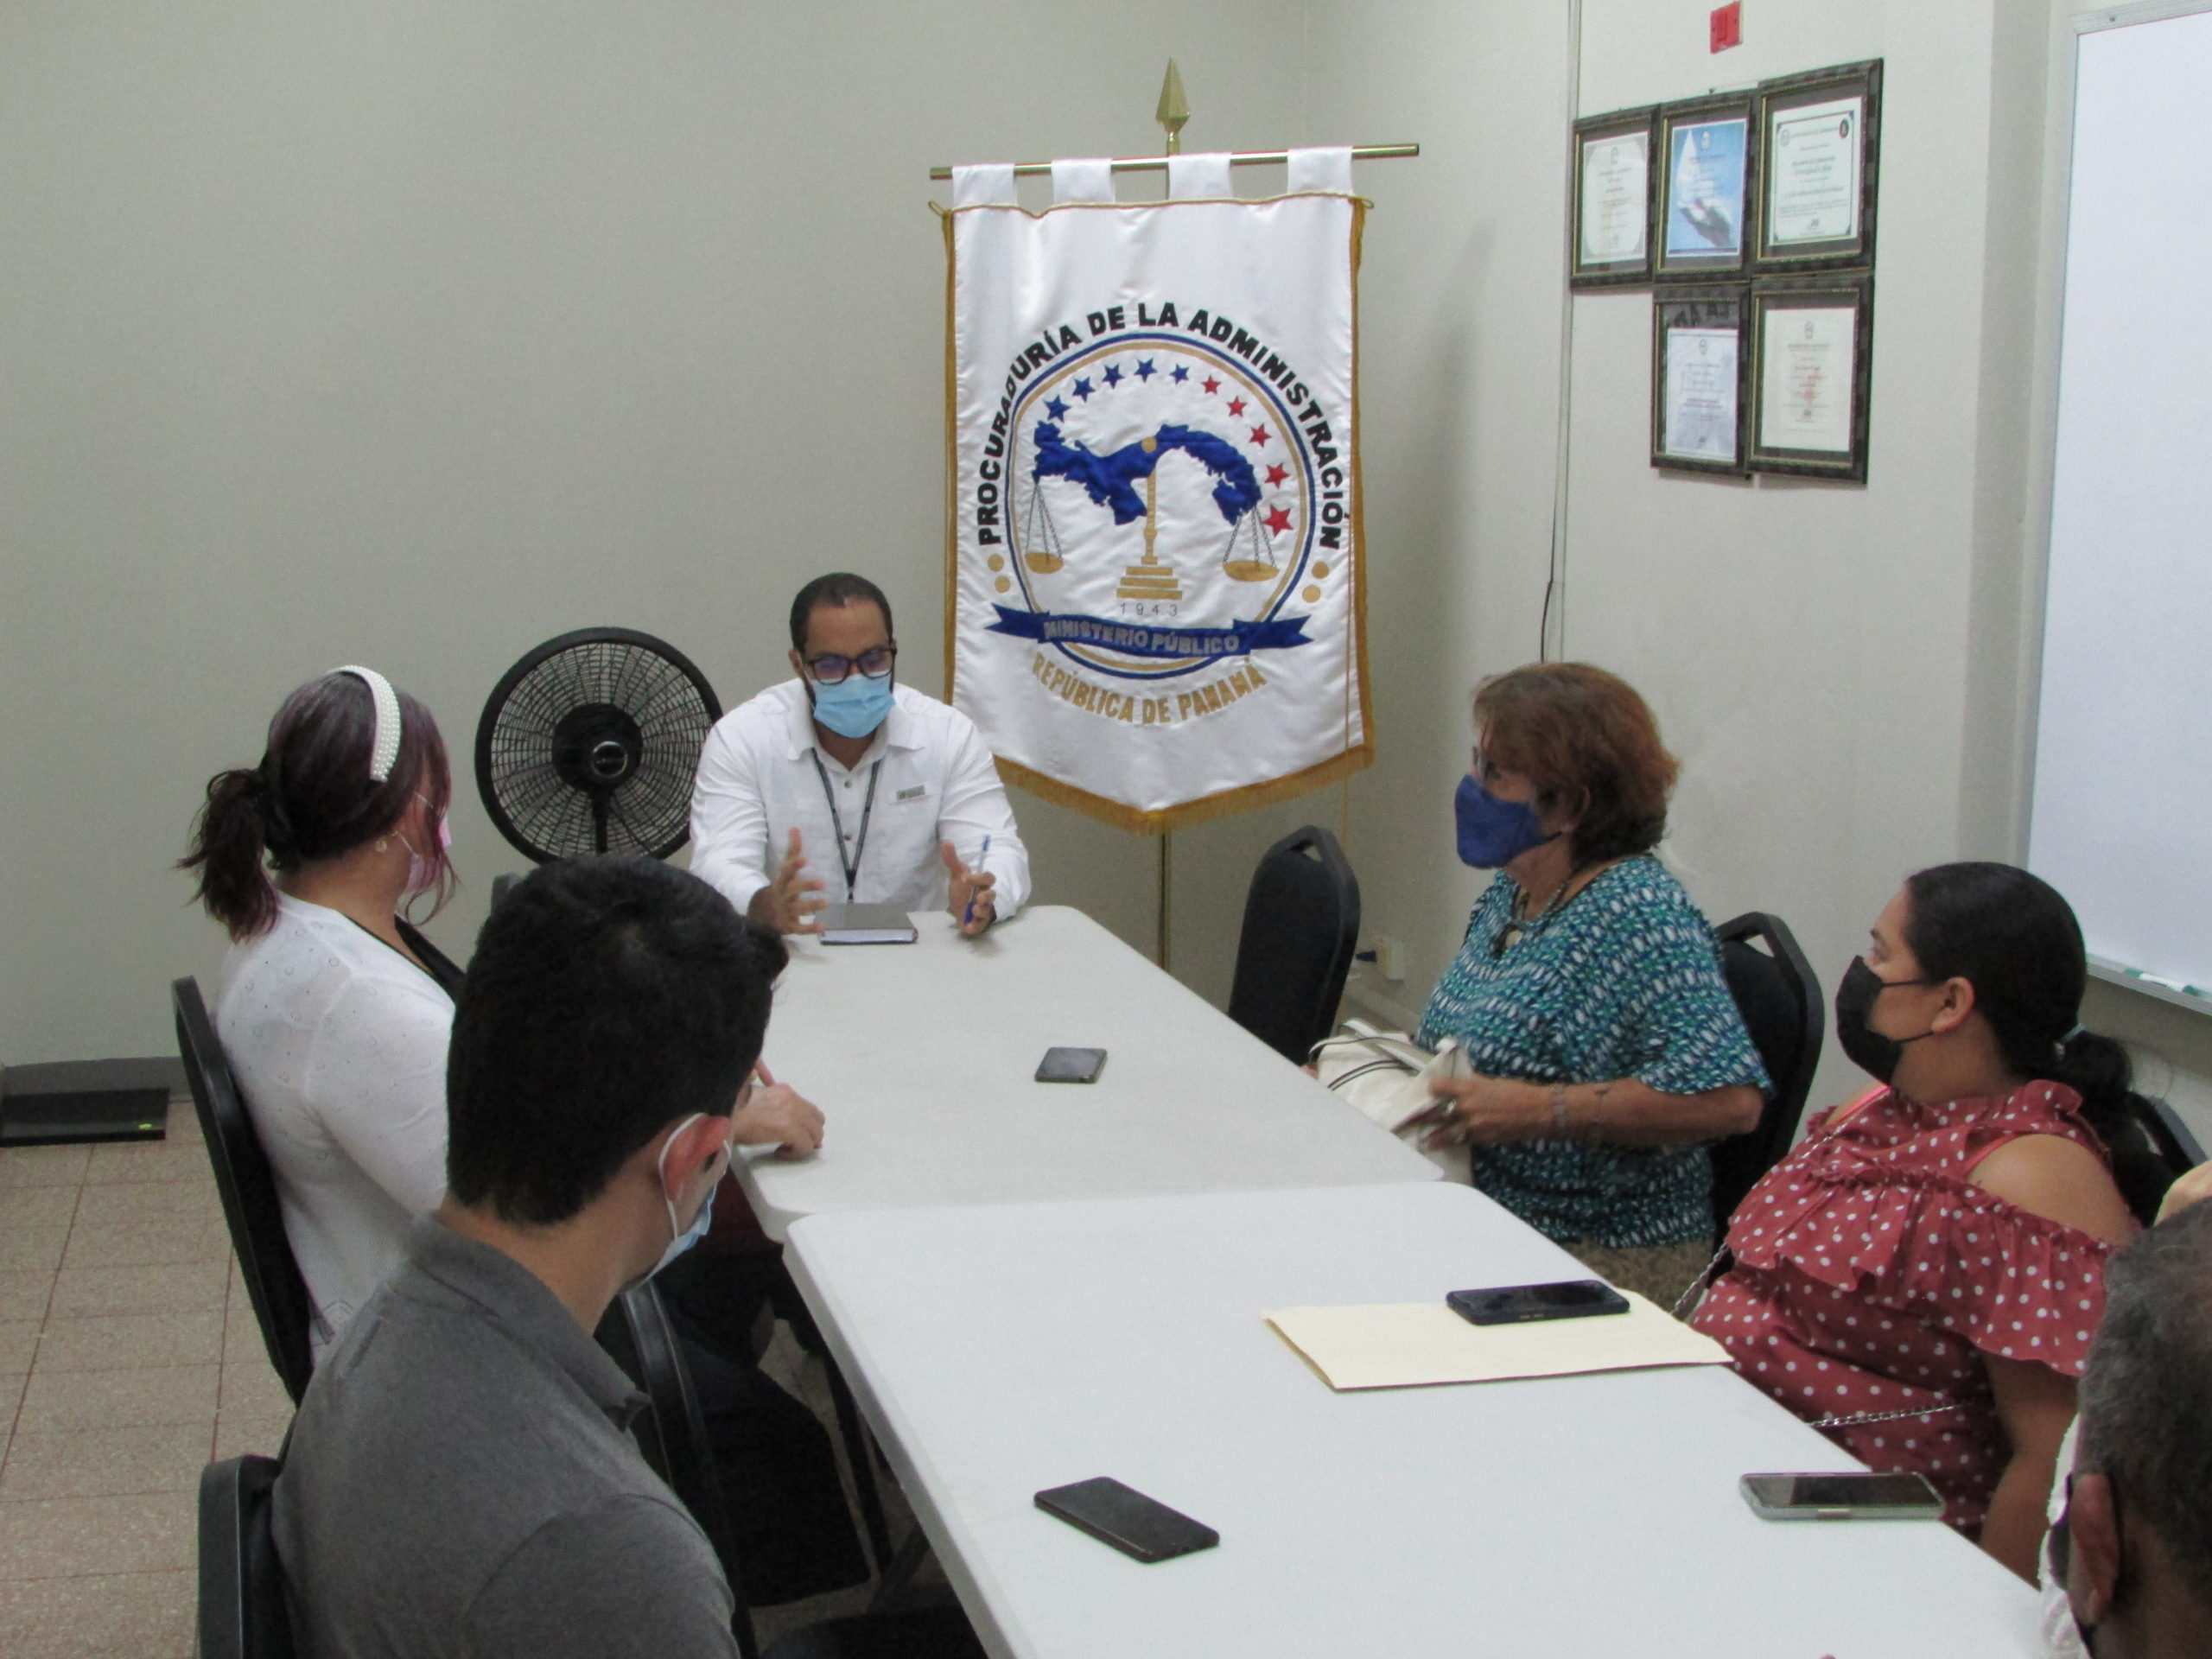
x=1167 y=910
x=1240 y=158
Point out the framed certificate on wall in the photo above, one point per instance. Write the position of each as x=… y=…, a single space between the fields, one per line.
x=1707 y=188
x=1609 y=226
x=1699 y=368
x=1820 y=146
x=1812 y=346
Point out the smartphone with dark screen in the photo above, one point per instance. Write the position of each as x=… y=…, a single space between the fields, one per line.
x=1854 y=1496
x=1125 y=1518
x=1071 y=1065
x=1570 y=1299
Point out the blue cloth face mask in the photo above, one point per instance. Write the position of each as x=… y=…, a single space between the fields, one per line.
x=682 y=1238
x=1493 y=833
x=854 y=706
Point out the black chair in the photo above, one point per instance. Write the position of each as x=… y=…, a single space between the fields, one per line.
x=1779 y=1000
x=248 y=1187
x=243 y=1614
x=2150 y=1150
x=1301 y=922
x=672 y=1435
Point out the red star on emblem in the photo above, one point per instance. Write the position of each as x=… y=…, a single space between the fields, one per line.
x=1276 y=474
x=1260 y=435
x=1237 y=405
x=1278 y=521
x=1210 y=383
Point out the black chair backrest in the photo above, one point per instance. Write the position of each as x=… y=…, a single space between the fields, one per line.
x=248 y=1187
x=671 y=1432
x=243 y=1614
x=2150 y=1149
x=1779 y=1000
x=1301 y=922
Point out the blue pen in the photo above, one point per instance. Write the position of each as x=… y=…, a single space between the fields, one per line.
x=980 y=857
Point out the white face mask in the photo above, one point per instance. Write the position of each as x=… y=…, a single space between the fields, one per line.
x=682 y=1238
x=2061 y=1636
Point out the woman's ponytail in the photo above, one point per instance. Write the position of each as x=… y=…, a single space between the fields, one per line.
x=231 y=840
x=2098 y=1068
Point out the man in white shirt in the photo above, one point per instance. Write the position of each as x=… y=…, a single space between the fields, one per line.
x=843 y=786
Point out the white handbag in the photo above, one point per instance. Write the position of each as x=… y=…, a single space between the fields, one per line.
x=1385 y=1077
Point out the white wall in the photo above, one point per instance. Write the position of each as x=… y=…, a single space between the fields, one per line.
x=413 y=332
x=1843 y=670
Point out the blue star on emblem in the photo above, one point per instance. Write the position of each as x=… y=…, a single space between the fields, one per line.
x=1179 y=374
x=1113 y=374
x=1145 y=371
x=1056 y=409
x=1081 y=389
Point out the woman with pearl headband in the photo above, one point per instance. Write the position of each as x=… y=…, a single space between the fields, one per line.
x=334 y=1011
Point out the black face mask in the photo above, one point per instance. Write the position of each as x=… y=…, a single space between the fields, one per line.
x=1870 y=1052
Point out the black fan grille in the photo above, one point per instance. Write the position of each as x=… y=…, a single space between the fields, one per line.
x=536 y=799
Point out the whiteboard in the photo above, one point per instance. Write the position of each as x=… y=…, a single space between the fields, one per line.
x=2120 y=816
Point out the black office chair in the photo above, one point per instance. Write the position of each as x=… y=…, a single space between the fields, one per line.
x=1301 y=922
x=248 y=1187
x=672 y=1435
x=243 y=1614
x=2150 y=1151
x=1783 y=1008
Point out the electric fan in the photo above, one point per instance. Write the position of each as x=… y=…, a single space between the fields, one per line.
x=589 y=745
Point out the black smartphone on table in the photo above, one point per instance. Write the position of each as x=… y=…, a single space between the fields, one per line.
x=1071 y=1065
x=1124 y=1517
x=1854 y=1496
x=1570 y=1299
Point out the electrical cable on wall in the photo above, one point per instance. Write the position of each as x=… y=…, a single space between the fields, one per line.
x=1556 y=575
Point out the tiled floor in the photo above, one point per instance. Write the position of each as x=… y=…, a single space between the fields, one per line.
x=128 y=1359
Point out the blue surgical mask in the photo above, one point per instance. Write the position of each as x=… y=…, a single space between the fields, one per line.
x=1493 y=833
x=854 y=706
x=682 y=1238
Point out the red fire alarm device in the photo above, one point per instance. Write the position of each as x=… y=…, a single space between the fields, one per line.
x=1728 y=25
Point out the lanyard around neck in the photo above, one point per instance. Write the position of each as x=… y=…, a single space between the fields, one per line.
x=851 y=865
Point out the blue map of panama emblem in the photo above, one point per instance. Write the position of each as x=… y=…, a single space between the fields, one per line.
x=1164 y=500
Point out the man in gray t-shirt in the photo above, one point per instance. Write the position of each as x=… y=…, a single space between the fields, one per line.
x=460 y=1480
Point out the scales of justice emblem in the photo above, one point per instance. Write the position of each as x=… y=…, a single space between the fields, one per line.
x=1161 y=514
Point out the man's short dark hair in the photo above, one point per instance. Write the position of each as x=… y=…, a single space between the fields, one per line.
x=839 y=587
x=2146 y=1391
x=609 y=997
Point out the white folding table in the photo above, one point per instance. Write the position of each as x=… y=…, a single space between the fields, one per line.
x=923 y=1059
x=1000 y=1350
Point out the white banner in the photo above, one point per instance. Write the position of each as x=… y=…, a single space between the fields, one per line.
x=1155 y=609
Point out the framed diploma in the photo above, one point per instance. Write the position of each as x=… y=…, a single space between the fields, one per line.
x=1612 y=220
x=1820 y=139
x=1698 y=371
x=1812 y=345
x=1707 y=188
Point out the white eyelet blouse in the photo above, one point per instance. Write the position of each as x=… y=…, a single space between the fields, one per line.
x=338 y=1043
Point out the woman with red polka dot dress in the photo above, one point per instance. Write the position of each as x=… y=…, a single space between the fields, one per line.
x=1921 y=1276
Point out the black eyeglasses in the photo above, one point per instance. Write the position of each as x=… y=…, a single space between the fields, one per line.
x=829 y=669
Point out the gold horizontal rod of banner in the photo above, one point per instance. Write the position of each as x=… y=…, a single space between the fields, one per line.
x=1240 y=158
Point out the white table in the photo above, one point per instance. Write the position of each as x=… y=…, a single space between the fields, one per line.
x=923 y=1057
x=998 y=1351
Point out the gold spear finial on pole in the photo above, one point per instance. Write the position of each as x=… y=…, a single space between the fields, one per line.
x=1175 y=108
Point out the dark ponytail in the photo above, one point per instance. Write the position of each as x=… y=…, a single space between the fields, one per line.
x=230 y=843
x=2015 y=940
x=312 y=799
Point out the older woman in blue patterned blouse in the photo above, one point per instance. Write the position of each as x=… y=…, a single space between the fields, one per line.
x=1588 y=996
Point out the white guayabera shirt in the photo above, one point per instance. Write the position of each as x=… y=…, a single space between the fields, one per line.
x=761 y=772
